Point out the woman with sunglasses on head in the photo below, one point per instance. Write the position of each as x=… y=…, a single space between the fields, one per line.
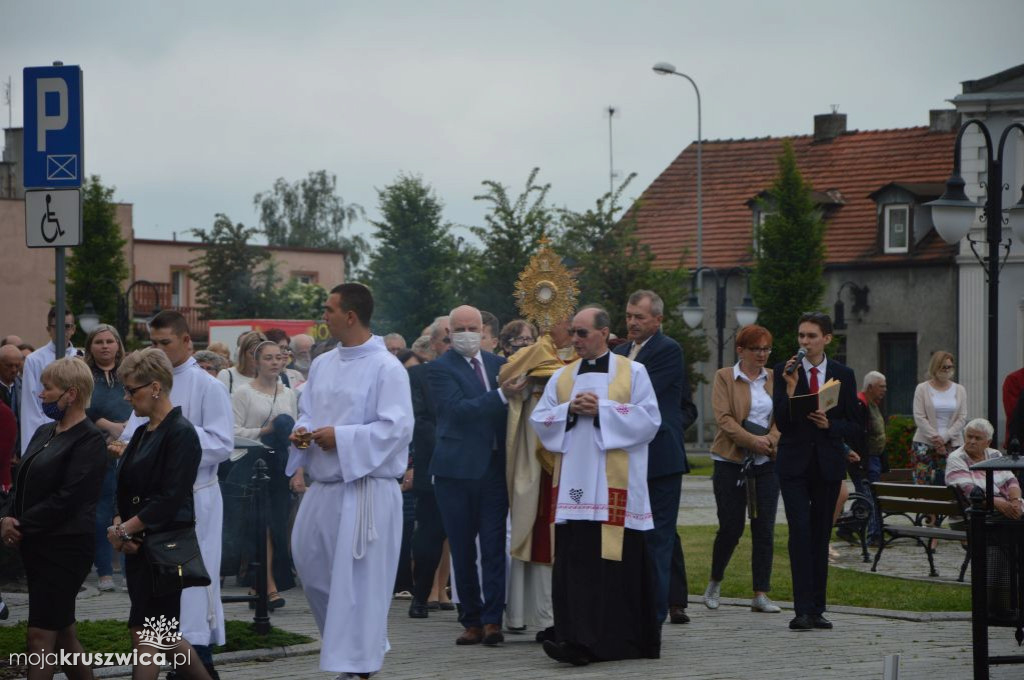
x=744 y=457
x=51 y=515
x=109 y=411
x=265 y=410
x=940 y=413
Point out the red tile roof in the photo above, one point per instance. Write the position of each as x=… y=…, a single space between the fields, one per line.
x=855 y=164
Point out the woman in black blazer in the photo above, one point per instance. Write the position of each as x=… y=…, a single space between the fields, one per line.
x=154 y=493
x=51 y=515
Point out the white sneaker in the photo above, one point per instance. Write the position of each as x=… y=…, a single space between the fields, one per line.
x=106 y=584
x=761 y=603
x=711 y=594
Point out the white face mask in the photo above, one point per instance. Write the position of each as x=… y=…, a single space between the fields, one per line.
x=466 y=343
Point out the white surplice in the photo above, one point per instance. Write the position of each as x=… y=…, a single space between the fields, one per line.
x=205 y=403
x=583 y=486
x=348 y=531
x=31 y=406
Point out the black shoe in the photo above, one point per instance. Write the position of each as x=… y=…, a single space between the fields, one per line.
x=214 y=675
x=802 y=622
x=546 y=634
x=446 y=606
x=821 y=622
x=4 y=611
x=565 y=653
x=172 y=675
x=677 y=614
x=418 y=610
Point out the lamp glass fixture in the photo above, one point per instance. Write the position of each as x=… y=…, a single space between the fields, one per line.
x=664 y=68
x=89 y=319
x=746 y=312
x=953 y=213
x=693 y=313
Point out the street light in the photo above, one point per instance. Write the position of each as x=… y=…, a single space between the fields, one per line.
x=89 y=319
x=746 y=312
x=953 y=214
x=664 y=68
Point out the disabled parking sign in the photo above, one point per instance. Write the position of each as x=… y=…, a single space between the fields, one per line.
x=53 y=218
x=53 y=127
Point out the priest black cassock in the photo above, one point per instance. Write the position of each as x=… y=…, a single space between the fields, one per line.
x=204 y=401
x=348 y=532
x=599 y=413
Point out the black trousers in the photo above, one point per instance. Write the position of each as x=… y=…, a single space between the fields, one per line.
x=427 y=544
x=604 y=606
x=663 y=542
x=810 y=501
x=731 y=501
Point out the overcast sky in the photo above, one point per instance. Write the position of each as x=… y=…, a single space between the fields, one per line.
x=193 y=107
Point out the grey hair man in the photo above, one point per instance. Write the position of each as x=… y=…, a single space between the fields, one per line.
x=874 y=427
x=302 y=348
x=394 y=342
x=440 y=340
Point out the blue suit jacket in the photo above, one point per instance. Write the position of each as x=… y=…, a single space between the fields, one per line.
x=470 y=421
x=802 y=440
x=663 y=358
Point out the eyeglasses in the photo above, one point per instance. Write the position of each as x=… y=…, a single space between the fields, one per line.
x=521 y=340
x=130 y=391
x=759 y=350
x=579 y=332
x=446 y=340
x=67 y=326
x=948 y=367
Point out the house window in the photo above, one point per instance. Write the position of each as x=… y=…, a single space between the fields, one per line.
x=305 y=277
x=760 y=217
x=178 y=293
x=897 y=228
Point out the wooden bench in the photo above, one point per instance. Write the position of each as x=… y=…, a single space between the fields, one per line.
x=855 y=517
x=916 y=502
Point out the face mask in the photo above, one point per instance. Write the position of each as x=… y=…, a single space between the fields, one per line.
x=52 y=410
x=946 y=375
x=466 y=343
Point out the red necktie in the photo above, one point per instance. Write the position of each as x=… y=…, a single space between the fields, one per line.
x=480 y=372
x=814 y=380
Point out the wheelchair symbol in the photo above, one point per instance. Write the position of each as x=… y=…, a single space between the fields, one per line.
x=50 y=218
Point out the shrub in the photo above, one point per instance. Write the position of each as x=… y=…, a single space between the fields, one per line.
x=899 y=431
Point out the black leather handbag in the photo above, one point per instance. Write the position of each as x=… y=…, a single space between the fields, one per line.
x=174 y=560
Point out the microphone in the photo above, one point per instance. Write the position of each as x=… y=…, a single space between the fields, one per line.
x=799 y=357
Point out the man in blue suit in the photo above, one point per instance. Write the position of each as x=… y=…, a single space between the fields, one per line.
x=811 y=463
x=469 y=471
x=666 y=454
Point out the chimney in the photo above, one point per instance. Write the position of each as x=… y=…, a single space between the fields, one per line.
x=828 y=126
x=943 y=120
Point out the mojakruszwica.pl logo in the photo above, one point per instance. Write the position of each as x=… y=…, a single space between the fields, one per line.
x=160 y=634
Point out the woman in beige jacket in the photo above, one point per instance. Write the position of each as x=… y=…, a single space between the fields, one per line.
x=940 y=413
x=744 y=456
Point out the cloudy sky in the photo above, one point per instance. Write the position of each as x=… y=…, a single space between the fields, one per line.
x=191 y=107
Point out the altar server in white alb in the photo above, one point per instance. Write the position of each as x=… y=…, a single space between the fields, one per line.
x=599 y=413
x=204 y=401
x=348 y=532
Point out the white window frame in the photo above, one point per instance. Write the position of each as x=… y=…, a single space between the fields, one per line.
x=179 y=298
x=887 y=245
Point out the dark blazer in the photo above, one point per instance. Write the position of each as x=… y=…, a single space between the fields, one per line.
x=470 y=421
x=802 y=440
x=59 y=481
x=423 y=430
x=663 y=358
x=157 y=471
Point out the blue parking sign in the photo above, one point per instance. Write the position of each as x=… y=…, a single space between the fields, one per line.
x=53 y=127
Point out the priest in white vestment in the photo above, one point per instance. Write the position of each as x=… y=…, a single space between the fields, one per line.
x=205 y=403
x=599 y=413
x=348 y=532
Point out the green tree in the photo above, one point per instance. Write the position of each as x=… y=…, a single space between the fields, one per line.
x=96 y=269
x=416 y=268
x=309 y=213
x=514 y=229
x=233 y=278
x=295 y=300
x=611 y=263
x=790 y=255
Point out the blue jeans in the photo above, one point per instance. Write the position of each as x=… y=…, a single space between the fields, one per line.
x=104 y=518
x=872 y=473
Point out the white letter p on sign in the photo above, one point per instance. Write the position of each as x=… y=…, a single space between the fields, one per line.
x=46 y=122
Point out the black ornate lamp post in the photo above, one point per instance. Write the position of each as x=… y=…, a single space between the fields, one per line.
x=746 y=312
x=953 y=214
x=89 y=319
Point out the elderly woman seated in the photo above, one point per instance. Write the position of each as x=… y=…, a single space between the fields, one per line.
x=975 y=449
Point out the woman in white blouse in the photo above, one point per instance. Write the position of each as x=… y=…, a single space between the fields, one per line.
x=266 y=410
x=940 y=413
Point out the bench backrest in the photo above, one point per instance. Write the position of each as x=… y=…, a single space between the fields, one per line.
x=921 y=499
x=898 y=475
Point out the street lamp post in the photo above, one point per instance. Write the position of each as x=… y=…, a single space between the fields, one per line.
x=746 y=312
x=953 y=214
x=89 y=319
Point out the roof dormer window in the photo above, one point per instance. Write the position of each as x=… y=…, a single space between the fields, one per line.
x=896 y=228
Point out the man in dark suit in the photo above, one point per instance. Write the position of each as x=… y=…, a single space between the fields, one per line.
x=666 y=454
x=469 y=471
x=428 y=538
x=811 y=463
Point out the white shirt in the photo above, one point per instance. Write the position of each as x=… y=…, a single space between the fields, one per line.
x=253 y=409
x=945 y=408
x=31 y=416
x=637 y=346
x=821 y=370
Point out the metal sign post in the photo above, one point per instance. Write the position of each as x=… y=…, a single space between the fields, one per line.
x=53 y=161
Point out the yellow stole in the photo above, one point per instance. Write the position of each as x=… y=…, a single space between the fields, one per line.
x=616 y=461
